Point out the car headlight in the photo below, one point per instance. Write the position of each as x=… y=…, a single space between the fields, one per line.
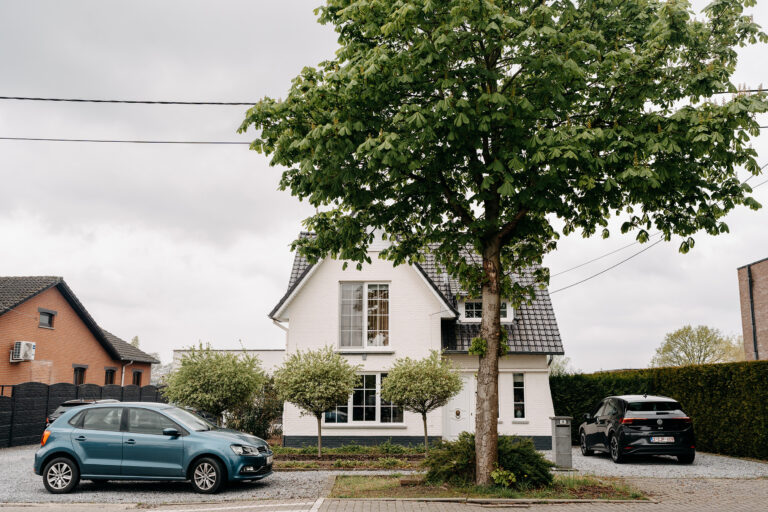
x=244 y=449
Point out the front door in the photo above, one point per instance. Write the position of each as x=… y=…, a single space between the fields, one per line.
x=146 y=451
x=98 y=441
x=460 y=411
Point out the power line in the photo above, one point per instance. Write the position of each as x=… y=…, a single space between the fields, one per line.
x=217 y=103
x=603 y=256
x=138 y=141
x=657 y=242
x=134 y=102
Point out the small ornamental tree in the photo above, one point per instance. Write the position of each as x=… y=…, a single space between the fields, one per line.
x=421 y=386
x=215 y=381
x=316 y=381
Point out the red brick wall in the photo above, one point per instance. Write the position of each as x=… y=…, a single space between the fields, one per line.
x=760 y=300
x=69 y=342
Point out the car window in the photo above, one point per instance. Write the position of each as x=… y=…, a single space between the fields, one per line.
x=77 y=419
x=653 y=406
x=144 y=421
x=102 y=418
x=190 y=419
x=610 y=409
x=599 y=410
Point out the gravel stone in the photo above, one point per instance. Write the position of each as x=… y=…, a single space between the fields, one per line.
x=706 y=465
x=20 y=484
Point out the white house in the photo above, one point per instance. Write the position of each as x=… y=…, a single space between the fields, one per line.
x=382 y=312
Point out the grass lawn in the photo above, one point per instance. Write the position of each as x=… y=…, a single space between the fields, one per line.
x=564 y=487
x=369 y=463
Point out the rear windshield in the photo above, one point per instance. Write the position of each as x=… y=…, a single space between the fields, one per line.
x=653 y=406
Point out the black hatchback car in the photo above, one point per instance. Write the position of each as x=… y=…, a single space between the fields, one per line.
x=638 y=425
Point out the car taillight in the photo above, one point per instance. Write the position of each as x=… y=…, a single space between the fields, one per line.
x=628 y=421
x=686 y=419
x=46 y=435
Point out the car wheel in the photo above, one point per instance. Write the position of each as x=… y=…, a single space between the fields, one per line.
x=616 y=455
x=207 y=476
x=61 y=475
x=585 y=451
x=687 y=458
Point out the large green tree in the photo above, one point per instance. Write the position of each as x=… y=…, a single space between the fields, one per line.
x=697 y=345
x=500 y=125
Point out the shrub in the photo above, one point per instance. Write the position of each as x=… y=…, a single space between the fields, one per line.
x=390 y=448
x=453 y=462
x=258 y=417
x=728 y=402
x=389 y=462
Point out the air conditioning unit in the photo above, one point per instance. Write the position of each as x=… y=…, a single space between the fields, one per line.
x=23 y=351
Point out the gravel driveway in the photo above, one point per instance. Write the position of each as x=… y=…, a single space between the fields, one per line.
x=705 y=466
x=19 y=484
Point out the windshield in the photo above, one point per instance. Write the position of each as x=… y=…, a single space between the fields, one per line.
x=190 y=419
x=653 y=406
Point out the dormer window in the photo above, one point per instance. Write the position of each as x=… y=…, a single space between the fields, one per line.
x=364 y=315
x=473 y=310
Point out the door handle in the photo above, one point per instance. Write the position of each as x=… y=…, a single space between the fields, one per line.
x=80 y=438
x=130 y=441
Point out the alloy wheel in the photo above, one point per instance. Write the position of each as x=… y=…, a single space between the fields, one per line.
x=59 y=475
x=205 y=476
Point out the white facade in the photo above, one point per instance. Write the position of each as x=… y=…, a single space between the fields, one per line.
x=311 y=312
x=270 y=358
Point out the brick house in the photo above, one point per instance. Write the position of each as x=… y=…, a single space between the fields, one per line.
x=69 y=346
x=753 y=296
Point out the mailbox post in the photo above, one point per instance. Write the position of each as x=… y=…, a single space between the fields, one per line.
x=561 y=441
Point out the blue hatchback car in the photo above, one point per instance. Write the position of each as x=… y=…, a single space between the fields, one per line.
x=146 y=441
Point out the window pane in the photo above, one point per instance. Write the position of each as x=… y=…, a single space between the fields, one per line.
x=102 y=418
x=503 y=310
x=370 y=413
x=378 y=315
x=351 y=319
x=357 y=414
x=473 y=309
x=518 y=394
x=144 y=421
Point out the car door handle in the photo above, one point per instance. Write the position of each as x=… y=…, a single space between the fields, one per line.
x=80 y=438
x=130 y=441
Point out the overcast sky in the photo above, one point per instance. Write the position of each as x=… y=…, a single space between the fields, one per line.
x=177 y=244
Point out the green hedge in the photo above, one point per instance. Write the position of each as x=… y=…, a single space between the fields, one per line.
x=727 y=402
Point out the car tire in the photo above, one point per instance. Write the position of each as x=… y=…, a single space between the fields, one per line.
x=615 y=449
x=583 y=444
x=207 y=476
x=688 y=458
x=61 y=475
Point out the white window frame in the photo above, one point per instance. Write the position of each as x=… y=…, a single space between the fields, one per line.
x=364 y=331
x=377 y=421
x=504 y=304
x=524 y=402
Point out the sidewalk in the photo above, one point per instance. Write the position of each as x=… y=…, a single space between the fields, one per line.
x=672 y=495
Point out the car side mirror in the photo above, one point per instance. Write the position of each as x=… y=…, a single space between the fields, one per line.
x=587 y=416
x=171 y=432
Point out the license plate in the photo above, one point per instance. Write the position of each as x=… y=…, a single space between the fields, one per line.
x=269 y=459
x=662 y=439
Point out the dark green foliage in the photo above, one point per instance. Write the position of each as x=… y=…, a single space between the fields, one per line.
x=727 y=402
x=259 y=416
x=453 y=462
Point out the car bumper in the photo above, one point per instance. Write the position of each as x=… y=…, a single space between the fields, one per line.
x=639 y=443
x=251 y=468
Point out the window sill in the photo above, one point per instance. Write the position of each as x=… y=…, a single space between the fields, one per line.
x=519 y=421
x=365 y=425
x=45 y=327
x=365 y=351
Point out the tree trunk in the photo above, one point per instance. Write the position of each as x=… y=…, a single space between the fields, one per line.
x=487 y=410
x=426 y=438
x=319 y=437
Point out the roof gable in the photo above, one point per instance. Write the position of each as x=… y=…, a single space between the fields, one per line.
x=17 y=290
x=533 y=330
